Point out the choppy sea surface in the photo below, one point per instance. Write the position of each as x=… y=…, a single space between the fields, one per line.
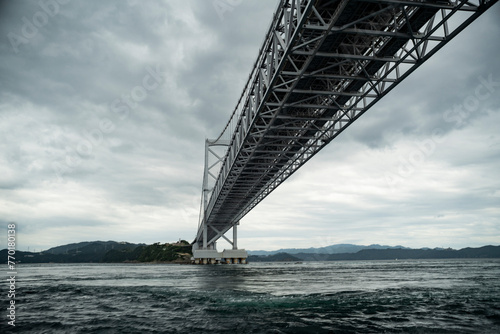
x=427 y=296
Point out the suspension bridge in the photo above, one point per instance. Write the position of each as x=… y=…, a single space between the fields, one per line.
x=322 y=65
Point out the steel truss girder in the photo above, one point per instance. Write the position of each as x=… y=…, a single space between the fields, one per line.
x=322 y=65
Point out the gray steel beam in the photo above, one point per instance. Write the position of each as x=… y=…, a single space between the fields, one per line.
x=323 y=64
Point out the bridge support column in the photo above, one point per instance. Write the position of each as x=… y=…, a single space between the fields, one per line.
x=212 y=256
x=205 y=235
x=208 y=253
x=235 y=236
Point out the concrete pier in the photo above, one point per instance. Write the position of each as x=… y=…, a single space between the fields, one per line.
x=228 y=256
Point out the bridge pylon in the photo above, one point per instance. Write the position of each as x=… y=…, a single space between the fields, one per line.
x=205 y=252
x=208 y=254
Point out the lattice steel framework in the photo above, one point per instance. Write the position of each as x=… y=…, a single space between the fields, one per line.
x=322 y=65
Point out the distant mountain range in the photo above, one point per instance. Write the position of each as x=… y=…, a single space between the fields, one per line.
x=91 y=246
x=333 y=249
x=384 y=254
x=180 y=252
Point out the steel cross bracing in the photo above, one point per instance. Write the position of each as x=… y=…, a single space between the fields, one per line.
x=322 y=65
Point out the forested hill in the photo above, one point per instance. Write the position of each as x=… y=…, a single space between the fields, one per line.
x=107 y=252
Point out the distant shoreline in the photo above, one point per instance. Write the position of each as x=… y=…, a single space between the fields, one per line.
x=109 y=252
x=486 y=252
x=179 y=253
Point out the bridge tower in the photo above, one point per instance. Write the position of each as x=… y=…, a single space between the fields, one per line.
x=205 y=252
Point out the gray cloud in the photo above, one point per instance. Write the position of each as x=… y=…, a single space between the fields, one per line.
x=105 y=106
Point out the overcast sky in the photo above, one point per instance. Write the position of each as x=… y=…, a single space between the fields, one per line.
x=105 y=106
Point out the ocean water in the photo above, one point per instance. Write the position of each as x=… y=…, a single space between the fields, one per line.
x=427 y=296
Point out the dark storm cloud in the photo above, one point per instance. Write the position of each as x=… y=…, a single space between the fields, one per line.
x=105 y=106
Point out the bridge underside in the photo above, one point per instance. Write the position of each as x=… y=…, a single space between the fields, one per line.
x=323 y=64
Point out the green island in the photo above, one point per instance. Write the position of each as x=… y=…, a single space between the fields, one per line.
x=179 y=252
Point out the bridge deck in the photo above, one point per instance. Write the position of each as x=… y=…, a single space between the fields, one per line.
x=322 y=65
